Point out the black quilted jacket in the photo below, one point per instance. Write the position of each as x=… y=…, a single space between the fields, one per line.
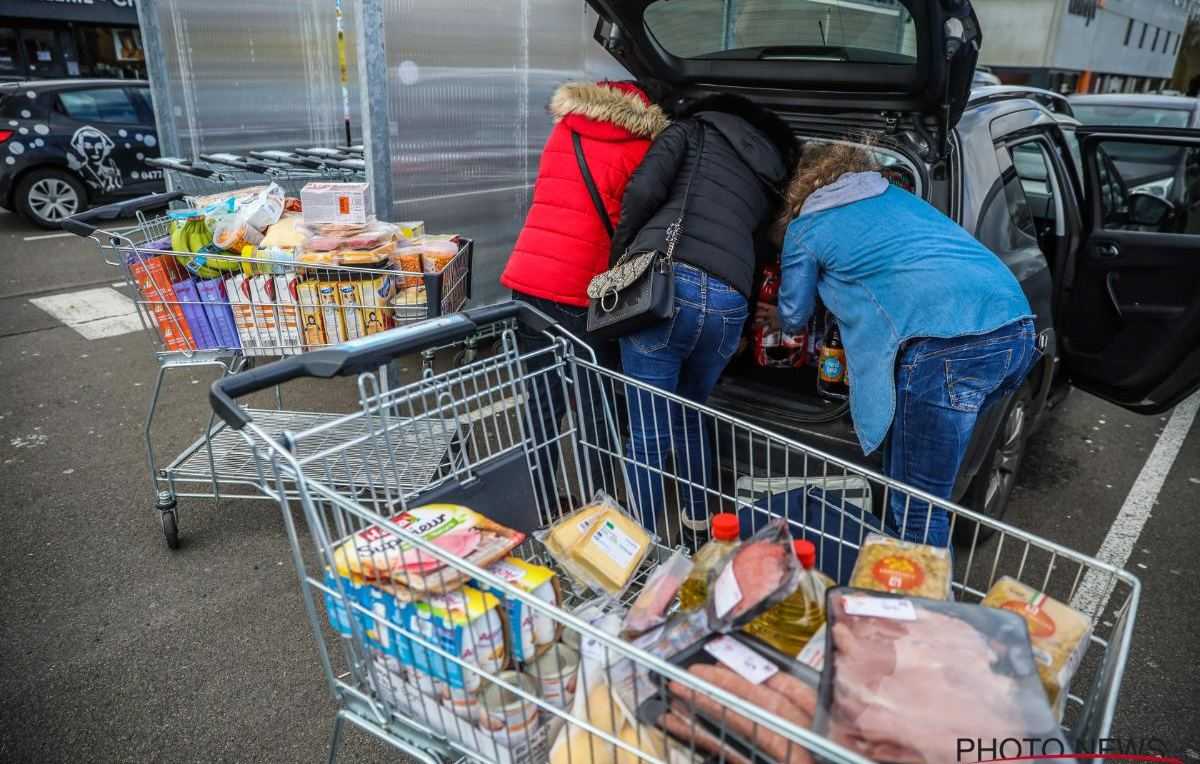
x=748 y=152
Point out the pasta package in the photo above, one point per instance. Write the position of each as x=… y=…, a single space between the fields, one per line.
x=1059 y=634
x=890 y=565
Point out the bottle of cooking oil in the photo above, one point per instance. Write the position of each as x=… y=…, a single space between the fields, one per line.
x=789 y=625
x=724 y=537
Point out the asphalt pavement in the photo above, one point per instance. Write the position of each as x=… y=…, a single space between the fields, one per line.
x=113 y=648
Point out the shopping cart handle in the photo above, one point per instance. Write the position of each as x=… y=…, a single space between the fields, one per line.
x=83 y=224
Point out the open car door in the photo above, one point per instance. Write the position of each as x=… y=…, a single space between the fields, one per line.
x=1129 y=298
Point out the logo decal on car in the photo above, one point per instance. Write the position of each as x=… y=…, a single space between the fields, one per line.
x=93 y=159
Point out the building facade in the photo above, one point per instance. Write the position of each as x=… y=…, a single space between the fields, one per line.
x=1086 y=46
x=50 y=39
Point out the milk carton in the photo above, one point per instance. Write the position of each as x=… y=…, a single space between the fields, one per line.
x=529 y=630
x=464 y=623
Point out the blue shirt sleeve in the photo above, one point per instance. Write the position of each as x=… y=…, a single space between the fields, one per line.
x=798 y=285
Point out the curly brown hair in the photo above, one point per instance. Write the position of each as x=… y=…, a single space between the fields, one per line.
x=821 y=164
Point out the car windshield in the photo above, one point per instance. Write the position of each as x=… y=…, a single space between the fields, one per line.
x=816 y=30
x=1131 y=116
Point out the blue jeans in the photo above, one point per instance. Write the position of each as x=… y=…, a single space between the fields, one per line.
x=683 y=355
x=941 y=387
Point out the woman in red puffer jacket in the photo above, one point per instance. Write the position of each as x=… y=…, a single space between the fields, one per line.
x=564 y=242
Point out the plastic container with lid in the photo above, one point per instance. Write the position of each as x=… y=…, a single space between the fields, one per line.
x=725 y=532
x=791 y=624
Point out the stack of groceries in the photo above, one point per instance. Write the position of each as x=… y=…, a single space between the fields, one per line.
x=255 y=271
x=888 y=665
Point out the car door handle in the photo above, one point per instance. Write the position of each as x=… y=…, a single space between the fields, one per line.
x=1108 y=249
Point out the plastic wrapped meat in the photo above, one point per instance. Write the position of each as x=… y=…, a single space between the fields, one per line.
x=911 y=676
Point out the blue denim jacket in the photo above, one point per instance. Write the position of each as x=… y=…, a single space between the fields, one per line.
x=891 y=268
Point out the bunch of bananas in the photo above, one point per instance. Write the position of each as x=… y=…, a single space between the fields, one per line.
x=190 y=233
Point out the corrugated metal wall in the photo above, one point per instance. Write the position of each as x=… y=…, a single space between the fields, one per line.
x=247 y=75
x=468 y=88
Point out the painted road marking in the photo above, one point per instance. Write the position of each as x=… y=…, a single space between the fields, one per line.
x=94 y=313
x=1093 y=592
x=62 y=234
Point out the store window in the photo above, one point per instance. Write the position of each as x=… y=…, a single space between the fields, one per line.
x=43 y=55
x=10 y=52
x=99 y=105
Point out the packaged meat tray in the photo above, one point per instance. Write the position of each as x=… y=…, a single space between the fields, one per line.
x=760 y=572
x=886 y=564
x=378 y=556
x=905 y=678
x=1059 y=634
x=751 y=670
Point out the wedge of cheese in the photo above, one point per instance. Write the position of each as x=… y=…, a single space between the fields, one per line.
x=567 y=532
x=612 y=549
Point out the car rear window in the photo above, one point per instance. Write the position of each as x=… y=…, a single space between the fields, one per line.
x=810 y=30
x=98 y=105
x=1131 y=116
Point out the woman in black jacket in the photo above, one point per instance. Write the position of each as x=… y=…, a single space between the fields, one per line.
x=735 y=155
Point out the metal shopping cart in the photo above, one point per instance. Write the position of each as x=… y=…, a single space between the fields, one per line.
x=232 y=311
x=290 y=169
x=387 y=661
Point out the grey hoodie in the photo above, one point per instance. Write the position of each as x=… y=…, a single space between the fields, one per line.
x=850 y=187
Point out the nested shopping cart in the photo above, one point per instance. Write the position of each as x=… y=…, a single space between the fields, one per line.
x=240 y=311
x=492 y=461
x=290 y=169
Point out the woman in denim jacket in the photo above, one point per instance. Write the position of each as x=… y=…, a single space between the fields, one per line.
x=935 y=326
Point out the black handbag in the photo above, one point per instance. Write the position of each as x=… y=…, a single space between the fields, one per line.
x=639 y=290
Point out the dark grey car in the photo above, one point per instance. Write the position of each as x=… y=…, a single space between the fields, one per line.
x=1117 y=294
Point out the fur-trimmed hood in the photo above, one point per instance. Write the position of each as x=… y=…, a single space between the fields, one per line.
x=760 y=118
x=615 y=103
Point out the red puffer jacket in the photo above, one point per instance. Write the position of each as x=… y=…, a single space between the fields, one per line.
x=563 y=243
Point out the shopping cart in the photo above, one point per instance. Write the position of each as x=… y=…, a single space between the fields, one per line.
x=394 y=675
x=291 y=170
x=242 y=310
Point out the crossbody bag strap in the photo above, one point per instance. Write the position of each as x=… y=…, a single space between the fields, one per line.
x=675 y=231
x=590 y=182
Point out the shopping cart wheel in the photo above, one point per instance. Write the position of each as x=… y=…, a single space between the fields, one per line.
x=168 y=514
x=170 y=529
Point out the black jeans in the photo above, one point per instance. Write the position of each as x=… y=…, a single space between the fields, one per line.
x=557 y=393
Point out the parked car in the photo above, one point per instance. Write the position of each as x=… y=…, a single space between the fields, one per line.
x=70 y=144
x=1117 y=302
x=984 y=76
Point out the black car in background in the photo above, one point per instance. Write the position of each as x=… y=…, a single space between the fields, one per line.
x=1115 y=286
x=66 y=145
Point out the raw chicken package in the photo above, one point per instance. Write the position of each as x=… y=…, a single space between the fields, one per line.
x=905 y=678
x=378 y=555
x=890 y=565
x=649 y=610
x=1059 y=634
x=750 y=670
x=758 y=573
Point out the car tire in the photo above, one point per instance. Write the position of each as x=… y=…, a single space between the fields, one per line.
x=992 y=486
x=46 y=196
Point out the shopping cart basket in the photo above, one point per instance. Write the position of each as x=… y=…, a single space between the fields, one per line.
x=245 y=309
x=390 y=667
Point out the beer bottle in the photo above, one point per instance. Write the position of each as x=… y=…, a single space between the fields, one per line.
x=831 y=364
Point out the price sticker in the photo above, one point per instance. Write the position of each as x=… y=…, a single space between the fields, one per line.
x=881 y=607
x=748 y=664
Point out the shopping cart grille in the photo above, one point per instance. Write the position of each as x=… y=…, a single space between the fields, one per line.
x=428 y=441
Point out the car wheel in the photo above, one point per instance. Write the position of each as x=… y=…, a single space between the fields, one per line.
x=989 y=491
x=47 y=196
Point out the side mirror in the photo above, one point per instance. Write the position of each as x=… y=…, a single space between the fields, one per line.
x=1149 y=210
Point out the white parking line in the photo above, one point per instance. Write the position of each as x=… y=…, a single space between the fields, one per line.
x=62 y=234
x=1093 y=592
x=94 y=313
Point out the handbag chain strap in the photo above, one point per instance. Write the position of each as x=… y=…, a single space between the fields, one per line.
x=675 y=229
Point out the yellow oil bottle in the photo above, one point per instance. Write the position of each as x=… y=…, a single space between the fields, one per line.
x=789 y=625
x=724 y=533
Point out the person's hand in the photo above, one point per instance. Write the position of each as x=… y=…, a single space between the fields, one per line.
x=767 y=313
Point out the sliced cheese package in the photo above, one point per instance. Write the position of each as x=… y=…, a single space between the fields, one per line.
x=600 y=545
x=1059 y=634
